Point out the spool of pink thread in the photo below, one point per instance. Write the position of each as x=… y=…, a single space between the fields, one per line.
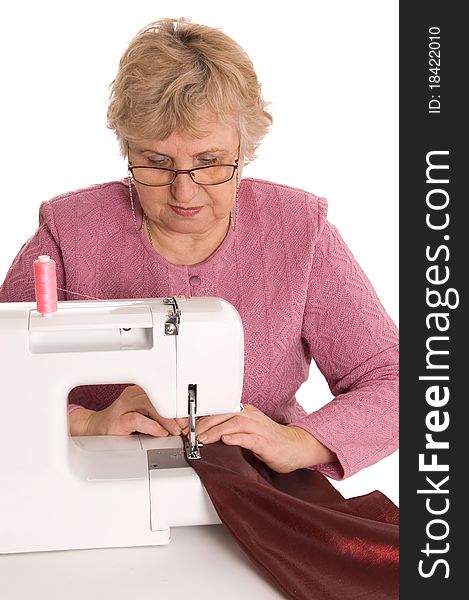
x=45 y=283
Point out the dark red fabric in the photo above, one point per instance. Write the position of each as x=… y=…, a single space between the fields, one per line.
x=315 y=544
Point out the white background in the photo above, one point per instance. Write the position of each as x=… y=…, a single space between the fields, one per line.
x=330 y=70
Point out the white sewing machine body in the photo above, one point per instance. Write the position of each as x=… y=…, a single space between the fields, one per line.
x=59 y=492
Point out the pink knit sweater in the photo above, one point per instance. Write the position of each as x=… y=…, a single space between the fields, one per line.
x=299 y=291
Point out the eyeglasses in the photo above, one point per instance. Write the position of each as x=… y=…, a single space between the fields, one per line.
x=158 y=177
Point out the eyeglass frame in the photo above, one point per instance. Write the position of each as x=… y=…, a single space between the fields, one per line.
x=176 y=172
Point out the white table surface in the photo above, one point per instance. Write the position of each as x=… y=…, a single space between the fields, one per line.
x=200 y=563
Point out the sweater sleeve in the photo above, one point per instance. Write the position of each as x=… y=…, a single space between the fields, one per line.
x=354 y=343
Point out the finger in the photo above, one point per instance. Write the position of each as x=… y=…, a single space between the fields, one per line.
x=141 y=400
x=170 y=425
x=209 y=421
x=150 y=411
x=146 y=407
x=253 y=442
x=206 y=423
x=237 y=424
x=132 y=397
x=135 y=421
x=249 y=441
x=138 y=401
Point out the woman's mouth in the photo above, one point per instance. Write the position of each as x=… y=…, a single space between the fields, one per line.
x=186 y=212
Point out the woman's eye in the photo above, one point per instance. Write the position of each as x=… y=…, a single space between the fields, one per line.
x=158 y=162
x=208 y=161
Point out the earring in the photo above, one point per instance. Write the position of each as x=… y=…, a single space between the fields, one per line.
x=234 y=217
x=132 y=207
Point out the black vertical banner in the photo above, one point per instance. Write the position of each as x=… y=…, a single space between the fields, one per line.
x=434 y=255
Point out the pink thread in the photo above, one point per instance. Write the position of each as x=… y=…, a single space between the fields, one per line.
x=82 y=295
x=45 y=284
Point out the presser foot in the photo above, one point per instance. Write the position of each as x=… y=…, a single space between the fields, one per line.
x=192 y=449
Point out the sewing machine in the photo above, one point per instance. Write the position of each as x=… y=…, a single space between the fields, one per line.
x=61 y=492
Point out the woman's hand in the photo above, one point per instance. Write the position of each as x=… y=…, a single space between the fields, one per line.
x=281 y=447
x=131 y=412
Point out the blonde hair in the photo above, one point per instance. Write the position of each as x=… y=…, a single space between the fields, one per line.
x=172 y=73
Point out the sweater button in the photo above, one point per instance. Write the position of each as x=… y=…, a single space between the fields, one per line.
x=194 y=280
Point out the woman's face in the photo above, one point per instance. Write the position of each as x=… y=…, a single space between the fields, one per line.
x=185 y=207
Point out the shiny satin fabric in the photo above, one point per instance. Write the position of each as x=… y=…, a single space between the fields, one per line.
x=297 y=528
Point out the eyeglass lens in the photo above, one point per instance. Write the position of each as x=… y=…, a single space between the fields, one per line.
x=211 y=175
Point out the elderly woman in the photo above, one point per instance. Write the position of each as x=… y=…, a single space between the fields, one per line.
x=188 y=113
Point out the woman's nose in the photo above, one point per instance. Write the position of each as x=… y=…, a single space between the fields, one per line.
x=183 y=188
